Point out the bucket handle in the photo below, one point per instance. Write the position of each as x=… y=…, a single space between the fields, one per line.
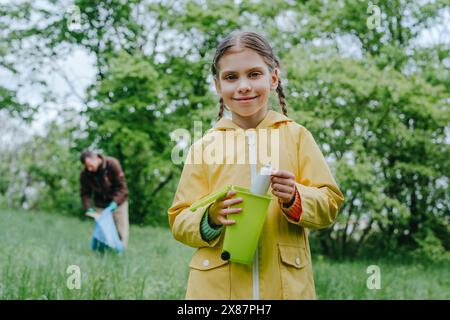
x=211 y=198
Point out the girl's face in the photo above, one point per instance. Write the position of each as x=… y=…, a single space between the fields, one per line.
x=244 y=82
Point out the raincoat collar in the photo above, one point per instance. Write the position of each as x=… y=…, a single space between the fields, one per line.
x=272 y=118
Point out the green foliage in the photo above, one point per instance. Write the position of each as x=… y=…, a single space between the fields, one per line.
x=386 y=138
x=140 y=104
x=42 y=173
x=8 y=102
x=430 y=248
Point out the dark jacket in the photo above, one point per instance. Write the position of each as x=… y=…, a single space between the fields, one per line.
x=107 y=184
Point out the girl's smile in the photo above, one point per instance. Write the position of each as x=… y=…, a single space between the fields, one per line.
x=246 y=99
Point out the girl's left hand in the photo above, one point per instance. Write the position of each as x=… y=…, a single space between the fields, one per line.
x=283 y=185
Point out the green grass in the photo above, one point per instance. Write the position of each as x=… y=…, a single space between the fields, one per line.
x=37 y=248
x=348 y=280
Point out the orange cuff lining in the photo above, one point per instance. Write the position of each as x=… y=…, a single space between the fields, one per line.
x=295 y=210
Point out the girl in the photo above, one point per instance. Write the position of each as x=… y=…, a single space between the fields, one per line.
x=306 y=196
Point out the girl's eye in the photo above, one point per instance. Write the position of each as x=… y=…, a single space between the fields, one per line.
x=230 y=77
x=254 y=74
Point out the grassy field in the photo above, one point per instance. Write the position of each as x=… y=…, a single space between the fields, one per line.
x=36 y=250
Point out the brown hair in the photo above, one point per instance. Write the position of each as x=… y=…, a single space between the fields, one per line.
x=253 y=41
x=87 y=154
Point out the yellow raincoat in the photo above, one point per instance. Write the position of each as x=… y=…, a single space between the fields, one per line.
x=282 y=269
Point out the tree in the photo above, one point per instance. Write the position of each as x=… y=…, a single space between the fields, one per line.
x=386 y=137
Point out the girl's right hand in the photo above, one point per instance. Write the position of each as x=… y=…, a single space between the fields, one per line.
x=219 y=211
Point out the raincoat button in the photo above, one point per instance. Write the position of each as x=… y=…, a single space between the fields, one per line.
x=205 y=262
x=297 y=261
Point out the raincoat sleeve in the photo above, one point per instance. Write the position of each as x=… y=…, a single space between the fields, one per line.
x=320 y=196
x=193 y=185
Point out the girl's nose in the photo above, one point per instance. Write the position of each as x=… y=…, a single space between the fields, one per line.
x=243 y=88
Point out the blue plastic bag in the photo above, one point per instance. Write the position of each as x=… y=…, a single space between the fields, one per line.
x=105 y=234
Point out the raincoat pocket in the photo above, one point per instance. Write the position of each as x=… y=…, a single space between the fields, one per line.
x=295 y=278
x=209 y=276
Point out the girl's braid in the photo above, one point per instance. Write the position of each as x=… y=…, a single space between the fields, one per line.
x=221 y=109
x=281 y=98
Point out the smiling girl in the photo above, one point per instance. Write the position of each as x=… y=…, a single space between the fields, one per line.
x=306 y=196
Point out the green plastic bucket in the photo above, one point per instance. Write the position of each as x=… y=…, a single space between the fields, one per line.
x=241 y=238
